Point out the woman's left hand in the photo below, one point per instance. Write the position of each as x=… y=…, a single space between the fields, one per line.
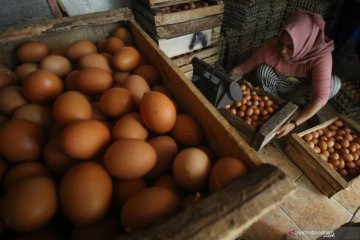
x=285 y=129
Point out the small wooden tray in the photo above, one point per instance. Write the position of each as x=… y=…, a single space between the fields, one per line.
x=259 y=137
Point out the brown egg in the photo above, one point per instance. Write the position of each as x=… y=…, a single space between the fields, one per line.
x=129 y=126
x=137 y=86
x=80 y=48
x=11 y=98
x=58 y=65
x=116 y=102
x=129 y=158
x=126 y=59
x=7 y=78
x=149 y=73
x=124 y=35
x=71 y=106
x=157 y=112
x=113 y=44
x=120 y=77
x=166 y=150
x=85 y=193
x=84 y=139
x=21 y=140
x=322 y=145
x=93 y=81
x=30 y=204
x=32 y=52
x=136 y=215
x=339 y=123
x=36 y=113
x=23 y=171
x=347 y=157
x=94 y=60
x=167 y=181
x=308 y=137
x=187 y=130
x=124 y=189
x=191 y=169
x=42 y=86
x=224 y=172
x=55 y=159
x=344 y=143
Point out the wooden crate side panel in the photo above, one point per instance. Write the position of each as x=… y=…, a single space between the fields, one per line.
x=217 y=129
x=317 y=127
x=180 y=45
x=186 y=59
x=192 y=26
x=227 y=213
x=188 y=15
x=299 y=156
x=246 y=131
x=210 y=60
x=322 y=169
x=74 y=28
x=268 y=130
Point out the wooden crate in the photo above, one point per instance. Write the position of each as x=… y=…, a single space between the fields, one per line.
x=174 y=31
x=259 y=137
x=325 y=178
x=209 y=55
x=225 y=214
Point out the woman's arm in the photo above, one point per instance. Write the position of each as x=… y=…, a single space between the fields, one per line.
x=310 y=110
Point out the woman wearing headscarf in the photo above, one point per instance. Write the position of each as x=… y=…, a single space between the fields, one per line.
x=297 y=66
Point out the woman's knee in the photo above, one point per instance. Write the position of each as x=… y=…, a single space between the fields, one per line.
x=335 y=85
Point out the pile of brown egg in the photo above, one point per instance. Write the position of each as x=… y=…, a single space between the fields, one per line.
x=352 y=88
x=254 y=109
x=91 y=140
x=184 y=7
x=339 y=146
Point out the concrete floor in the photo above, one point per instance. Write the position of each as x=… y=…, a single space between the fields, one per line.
x=307 y=209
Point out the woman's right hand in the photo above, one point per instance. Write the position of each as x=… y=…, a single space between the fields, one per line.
x=235 y=74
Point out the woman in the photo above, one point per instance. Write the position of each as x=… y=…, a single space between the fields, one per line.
x=296 y=66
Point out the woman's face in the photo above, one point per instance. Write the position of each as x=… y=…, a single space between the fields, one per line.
x=286 y=47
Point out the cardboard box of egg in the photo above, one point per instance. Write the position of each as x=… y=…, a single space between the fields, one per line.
x=328 y=153
x=104 y=138
x=258 y=115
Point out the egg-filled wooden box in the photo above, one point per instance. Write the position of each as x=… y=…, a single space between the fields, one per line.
x=328 y=153
x=222 y=215
x=183 y=29
x=258 y=132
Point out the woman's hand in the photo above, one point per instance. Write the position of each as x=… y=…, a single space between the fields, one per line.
x=235 y=74
x=285 y=129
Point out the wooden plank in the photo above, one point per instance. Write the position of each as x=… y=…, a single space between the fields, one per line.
x=183 y=28
x=165 y=3
x=246 y=131
x=268 y=130
x=184 y=16
x=300 y=158
x=180 y=45
x=186 y=59
x=209 y=60
x=62 y=24
x=226 y=214
x=191 y=99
